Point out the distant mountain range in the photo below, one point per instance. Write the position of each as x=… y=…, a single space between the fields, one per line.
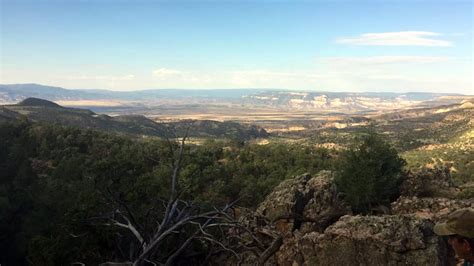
x=300 y=100
x=39 y=110
x=17 y=92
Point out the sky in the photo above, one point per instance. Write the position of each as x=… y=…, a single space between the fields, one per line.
x=358 y=45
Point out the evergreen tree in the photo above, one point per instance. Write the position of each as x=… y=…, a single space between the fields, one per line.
x=370 y=174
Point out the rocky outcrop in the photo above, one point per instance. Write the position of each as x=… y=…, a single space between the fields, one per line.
x=279 y=206
x=427 y=182
x=318 y=228
x=324 y=206
x=429 y=193
x=367 y=240
x=304 y=203
x=434 y=209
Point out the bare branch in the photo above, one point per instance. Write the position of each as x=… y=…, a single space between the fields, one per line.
x=174 y=178
x=219 y=226
x=130 y=227
x=274 y=247
x=149 y=261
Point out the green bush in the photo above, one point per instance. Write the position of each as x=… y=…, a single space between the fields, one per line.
x=466 y=193
x=370 y=174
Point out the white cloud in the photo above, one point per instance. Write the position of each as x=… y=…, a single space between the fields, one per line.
x=166 y=72
x=273 y=74
x=392 y=73
x=127 y=77
x=379 y=67
x=376 y=73
x=106 y=78
x=237 y=79
x=401 y=38
x=383 y=60
x=262 y=72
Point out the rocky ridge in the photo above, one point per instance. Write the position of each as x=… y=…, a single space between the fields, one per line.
x=318 y=228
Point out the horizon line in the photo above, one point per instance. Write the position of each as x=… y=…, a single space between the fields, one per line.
x=230 y=89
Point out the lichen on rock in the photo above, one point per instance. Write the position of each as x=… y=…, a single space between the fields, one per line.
x=319 y=229
x=428 y=182
x=367 y=240
x=307 y=202
x=434 y=209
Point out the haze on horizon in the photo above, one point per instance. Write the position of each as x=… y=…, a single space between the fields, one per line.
x=396 y=46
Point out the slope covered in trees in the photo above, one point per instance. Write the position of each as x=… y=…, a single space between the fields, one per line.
x=55 y=181
x=60 y=185
x=133 y=125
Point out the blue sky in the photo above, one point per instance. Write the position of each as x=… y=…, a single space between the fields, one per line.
x=312 y=45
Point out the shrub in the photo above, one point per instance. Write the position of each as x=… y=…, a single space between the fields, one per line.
x=466 y=193
x=370 y=174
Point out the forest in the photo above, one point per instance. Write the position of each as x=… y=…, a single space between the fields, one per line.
x=70 y=194
x=57 y=182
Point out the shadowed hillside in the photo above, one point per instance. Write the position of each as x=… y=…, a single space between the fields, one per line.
x=40 y=110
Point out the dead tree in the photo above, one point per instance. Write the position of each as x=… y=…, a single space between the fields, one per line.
x=186 y=223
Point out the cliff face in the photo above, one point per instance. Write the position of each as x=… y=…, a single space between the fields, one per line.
x=317 y=228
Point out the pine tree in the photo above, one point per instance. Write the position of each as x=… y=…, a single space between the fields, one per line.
x=370 y=174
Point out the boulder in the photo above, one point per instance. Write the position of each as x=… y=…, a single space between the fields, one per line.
x=367 y=240
x=317 y=229
x=324 y=206
x=428 y=182
x=303 y=202
x=283 y=198
x=434 y=209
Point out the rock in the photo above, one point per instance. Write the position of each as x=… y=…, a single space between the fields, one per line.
x=282 y=199
x=289 y=253
x=280 y=207
x=434 y=209
x=316 y=229
x=324 y=206
x=263 y=229
x=304 y=202
x=429 y=183
x=367 y=240
x=258 y=235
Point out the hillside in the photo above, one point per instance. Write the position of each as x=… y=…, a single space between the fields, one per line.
x=38 y=102
x=428 y=137
x=429 y=126
x=45 y=111
x=72 y=180
x=407 y=129
x=14 y=93
x=457 y=154
x=8 y=115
